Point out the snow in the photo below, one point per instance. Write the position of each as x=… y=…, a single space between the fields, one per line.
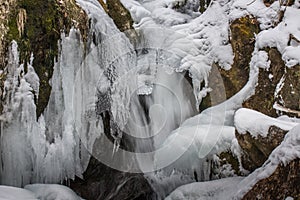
x=13 y=193
x=38 y=191
x=289 y=198
x=210 y=190
x=52 y=192
x=267 y=16
x=279 y=37
x=256 y=123
x=291 y=56
x=287 y=151
x=197 y=142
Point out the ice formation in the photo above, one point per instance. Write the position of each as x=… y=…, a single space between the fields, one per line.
x=217 y=189
x=142 y=87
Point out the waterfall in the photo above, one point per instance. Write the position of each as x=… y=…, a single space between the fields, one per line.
x=142 y=87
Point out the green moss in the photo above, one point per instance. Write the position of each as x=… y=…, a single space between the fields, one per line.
x=243 y=32
x=40 y=37
x=44 y=22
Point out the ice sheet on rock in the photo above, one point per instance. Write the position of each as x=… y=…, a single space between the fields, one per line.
x=166 y=12
x=14 y=193
x=195 y=144
x=219 y=118
x=196 y=150
x=287 y=151
x=210 y=190
x=52 y=192
x=223 y=113
x=256 y=123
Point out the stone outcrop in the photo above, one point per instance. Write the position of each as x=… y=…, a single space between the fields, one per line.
x=257 y=150
x=288 y=97
x=243 y=32
x=119 y=14
x=101 y=182
x=282 y=183
x=267 y=93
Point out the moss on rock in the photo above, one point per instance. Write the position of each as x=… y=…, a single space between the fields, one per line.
x=43 y=23
x=120 y=15
x=243 y=32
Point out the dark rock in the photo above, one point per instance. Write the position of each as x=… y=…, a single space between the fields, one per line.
x=243 y=32
x=101 y=182
x=289 y=95
x=257 y=150
x=284 y=182
x=263 y=99
x=120 y=15
x=203 y=5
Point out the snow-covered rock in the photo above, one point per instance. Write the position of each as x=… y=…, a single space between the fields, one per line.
x=210 y=190
x=279 y=176
x=14 y=193
x=52 y=192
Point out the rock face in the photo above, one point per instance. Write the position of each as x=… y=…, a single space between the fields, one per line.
x=243 y=32
x=288 y=97
x=119 y=14
x=257 y=150
x=282 y=183
x=277 y=85
x=263 y=99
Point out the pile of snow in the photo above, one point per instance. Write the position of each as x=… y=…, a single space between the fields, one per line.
x=194 y=144
x=13 y=193
x=256 y=123
x=38 y=191
x=52 y=192
x=217 y=189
